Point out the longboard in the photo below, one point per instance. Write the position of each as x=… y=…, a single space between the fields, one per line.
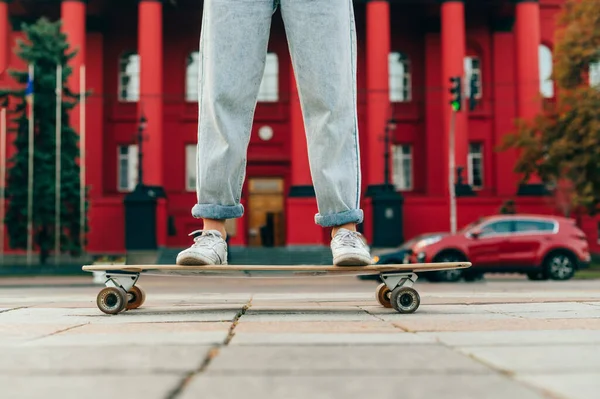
x=122 y=293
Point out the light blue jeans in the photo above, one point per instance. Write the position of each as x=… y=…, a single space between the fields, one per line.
x=233 y=46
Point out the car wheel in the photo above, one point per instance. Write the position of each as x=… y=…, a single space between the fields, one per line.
x=560 y=266
x=449 y=276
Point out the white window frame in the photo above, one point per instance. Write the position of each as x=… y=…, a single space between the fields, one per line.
x=399 y=77
x=192 y=72
x=399 y=161
x=131 y=159
x=129 y=67
x=472 y=65
x=545 y=65
x=470 y=158
x=191 y=169
x=269 y=85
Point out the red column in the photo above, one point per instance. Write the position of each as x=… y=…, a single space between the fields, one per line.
x=504 y=111
x=378 y=103
x=73 y=20
x=453 y=56
x=301 y=204
x=527 y=30
x=4 y=34
x=528 y=38
x=150 y=49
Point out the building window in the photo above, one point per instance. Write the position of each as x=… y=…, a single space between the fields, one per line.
x=127 y=158
x=473 y=71
x=269 y=86
x=545 y=60
x=402 y=164
x=129 y=77
x=475 y=169
x=192 y=70
x=595 y=74
x=399 y=71
x=190 y=167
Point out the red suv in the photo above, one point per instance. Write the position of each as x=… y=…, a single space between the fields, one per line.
x=543 y=247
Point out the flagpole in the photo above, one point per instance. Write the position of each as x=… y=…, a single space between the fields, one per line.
x=57 y=226
x=82 y=156
x=2 y=177
x=30 y=173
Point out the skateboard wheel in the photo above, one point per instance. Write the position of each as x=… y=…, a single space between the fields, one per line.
x=136 y=297
x=383 y=295
x=111 y=300
x=405 y=299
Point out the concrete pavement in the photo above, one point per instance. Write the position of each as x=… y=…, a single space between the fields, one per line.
x=300 y=338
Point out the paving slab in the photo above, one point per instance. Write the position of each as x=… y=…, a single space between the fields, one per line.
x=150 y=386
x=46 y=316
x=147 y=315
x=358 y=386
x=536 y=307
x=425 y=313
x=31 y=331
x=541 y=358
x=512 y=324
x=573 y=386
x=515 y=338
x=170 y=314
x=142 y=328
x=372 y=326
x=574 y=314
x=102 y=360
x=328 y=339
x=142 y=339
x=267 y=359
x=265 y=314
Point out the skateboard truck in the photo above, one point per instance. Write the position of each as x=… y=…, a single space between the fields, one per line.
x=393 y=280
x=121 y=280
x=396 y=292
x=120 y=293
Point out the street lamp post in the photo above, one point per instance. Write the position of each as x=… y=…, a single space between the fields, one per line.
x=140 y=139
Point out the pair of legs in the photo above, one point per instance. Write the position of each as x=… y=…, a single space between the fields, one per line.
x=321 y=38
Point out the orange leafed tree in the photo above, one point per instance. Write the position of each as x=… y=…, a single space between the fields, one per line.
x=562 y=145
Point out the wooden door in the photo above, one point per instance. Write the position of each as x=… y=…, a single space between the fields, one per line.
x=265 y=212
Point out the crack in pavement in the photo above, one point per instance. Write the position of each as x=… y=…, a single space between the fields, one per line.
x=60 y=331
x=212 y=353
x=11 y=309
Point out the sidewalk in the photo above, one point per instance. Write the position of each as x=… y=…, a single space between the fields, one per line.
x=301 y=338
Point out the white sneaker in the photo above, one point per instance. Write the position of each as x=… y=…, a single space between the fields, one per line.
x=349 y=248
x=209 y=248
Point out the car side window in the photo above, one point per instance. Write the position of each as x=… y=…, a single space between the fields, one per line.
x=533 y=226
x=496 y=228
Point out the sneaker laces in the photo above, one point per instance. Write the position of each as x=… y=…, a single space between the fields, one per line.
x=350 y=238
x=206 y=239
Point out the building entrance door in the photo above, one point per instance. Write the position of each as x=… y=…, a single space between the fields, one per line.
x=265 y=212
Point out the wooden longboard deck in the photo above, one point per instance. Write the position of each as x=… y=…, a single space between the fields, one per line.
x=273 y=270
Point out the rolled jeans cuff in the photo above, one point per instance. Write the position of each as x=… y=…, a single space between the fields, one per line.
x=210 y=211
x=340 y=218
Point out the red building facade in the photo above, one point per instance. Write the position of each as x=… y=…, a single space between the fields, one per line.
x=140 y=59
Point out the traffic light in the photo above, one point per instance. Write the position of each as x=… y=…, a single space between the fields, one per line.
x=473 y=92
x=456 y=92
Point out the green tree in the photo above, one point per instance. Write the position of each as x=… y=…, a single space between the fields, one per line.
x=45 y=47
x=562 y=145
